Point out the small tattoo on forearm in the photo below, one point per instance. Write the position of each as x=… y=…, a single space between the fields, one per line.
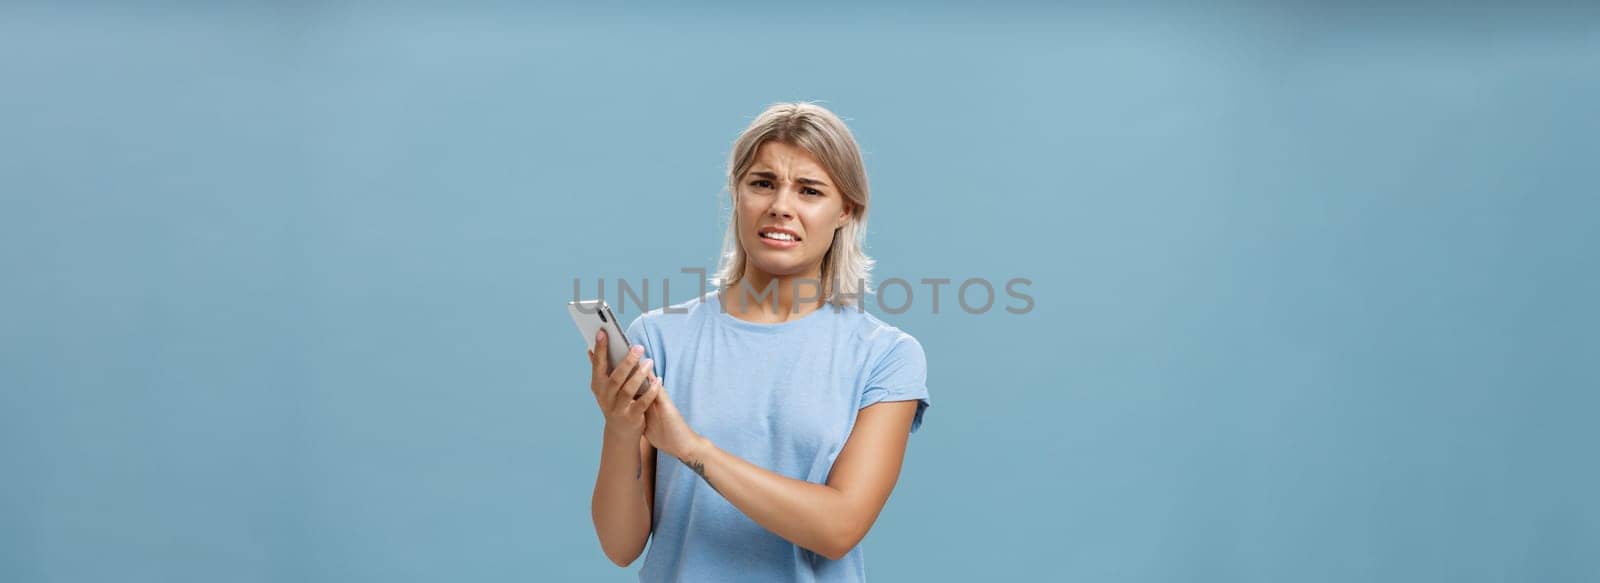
x=700 y=468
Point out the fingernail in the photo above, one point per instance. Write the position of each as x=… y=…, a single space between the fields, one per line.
x=600 y=337
x=637 y=349
x=646 y=364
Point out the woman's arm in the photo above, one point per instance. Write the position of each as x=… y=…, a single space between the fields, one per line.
x=829 y=519
x=624 y=490
x=624 y=495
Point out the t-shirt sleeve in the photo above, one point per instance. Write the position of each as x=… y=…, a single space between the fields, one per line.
x=900 y=375
x=637 y=337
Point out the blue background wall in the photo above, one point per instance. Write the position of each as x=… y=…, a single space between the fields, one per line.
x=281 y=285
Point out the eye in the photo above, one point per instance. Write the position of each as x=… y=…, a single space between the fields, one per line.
x=763 y=183
x=812 y=191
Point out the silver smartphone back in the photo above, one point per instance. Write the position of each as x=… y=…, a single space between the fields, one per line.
x=592 y=316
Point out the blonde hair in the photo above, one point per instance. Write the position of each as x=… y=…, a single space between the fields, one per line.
x=846 y=267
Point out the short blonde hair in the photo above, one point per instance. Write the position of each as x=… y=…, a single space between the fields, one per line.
x=846 y=268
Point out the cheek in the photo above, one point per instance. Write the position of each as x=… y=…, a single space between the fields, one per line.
x=747 y=210
x=821 y=221
x=819 y=234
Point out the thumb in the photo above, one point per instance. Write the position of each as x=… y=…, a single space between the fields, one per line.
x=665 y=402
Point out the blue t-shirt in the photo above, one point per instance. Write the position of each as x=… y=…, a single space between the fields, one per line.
x=781 y=396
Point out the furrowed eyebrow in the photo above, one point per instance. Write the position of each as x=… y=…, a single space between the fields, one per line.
x=801 y=180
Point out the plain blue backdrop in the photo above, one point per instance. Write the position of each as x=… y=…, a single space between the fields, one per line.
x=282 y=284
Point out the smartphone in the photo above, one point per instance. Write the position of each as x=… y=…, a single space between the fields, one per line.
x=592 y=316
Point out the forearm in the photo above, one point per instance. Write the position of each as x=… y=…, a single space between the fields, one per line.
x=814 y=516
x=621 y=516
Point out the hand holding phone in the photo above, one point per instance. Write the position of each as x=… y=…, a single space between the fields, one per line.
x=625 y=385
x=592 y=316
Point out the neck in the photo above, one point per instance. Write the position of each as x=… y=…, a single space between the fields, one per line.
x=766 y=298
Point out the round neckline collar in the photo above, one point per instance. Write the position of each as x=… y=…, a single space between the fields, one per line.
x=716 y=304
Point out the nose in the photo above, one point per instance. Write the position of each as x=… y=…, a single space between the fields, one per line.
x=782 y=205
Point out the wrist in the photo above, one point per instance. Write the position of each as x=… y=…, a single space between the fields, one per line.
x=696 y=449
x=624 y=434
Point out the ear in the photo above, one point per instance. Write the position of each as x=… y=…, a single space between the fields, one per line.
x=844 y=215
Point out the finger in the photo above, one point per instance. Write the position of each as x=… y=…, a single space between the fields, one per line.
x=665 y=397
x=616 y=394
x=664 y=405
x=650 y=392
x=663 y=400
x=649 y=379
x=626 y=368
x=594 y=387
x=600 y=354
x=634 y=385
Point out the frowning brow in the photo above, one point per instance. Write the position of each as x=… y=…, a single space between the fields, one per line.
x=801 y=180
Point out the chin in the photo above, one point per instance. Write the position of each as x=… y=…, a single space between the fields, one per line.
x=774 y=266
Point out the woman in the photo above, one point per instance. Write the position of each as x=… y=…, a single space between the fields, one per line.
x=782 y=409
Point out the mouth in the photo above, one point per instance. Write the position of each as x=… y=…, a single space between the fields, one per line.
x=778 y=237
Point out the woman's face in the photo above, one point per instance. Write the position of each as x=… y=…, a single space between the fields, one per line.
x=788 y=209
